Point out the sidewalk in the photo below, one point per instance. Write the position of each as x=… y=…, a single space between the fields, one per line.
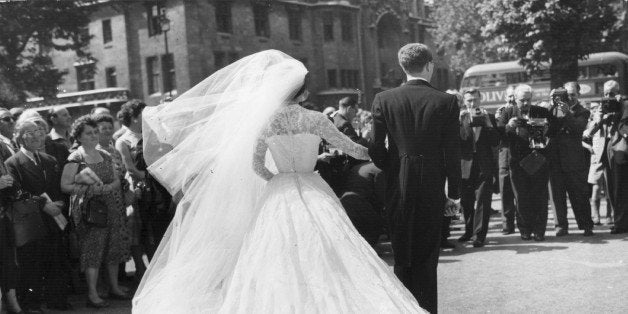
x=571 y=274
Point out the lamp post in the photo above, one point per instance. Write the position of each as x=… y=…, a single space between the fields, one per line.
x=165 y=27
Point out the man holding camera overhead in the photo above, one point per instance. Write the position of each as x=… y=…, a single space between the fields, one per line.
x=477 y=139
x=612 y=121
x=570 y=160
x=526 y=128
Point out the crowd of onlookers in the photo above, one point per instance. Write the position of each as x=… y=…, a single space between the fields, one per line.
x=75 y=198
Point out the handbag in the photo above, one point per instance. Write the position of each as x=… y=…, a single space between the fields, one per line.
x=95 y=212
x=533 y=162
x=28 y=225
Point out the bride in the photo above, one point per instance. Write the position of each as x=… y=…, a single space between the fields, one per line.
x=256 y=232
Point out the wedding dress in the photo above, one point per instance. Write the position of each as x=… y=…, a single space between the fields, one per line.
x=244 y=239
x=302 y=254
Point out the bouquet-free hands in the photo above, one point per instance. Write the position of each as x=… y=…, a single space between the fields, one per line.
x=452 y=208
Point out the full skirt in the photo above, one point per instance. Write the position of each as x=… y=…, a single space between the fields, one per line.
x=303 y=255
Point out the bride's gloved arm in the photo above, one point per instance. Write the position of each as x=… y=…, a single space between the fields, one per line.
x=259 y=160
x=328 y=131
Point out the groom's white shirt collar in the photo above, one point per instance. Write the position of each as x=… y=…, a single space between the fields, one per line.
x=412 y=78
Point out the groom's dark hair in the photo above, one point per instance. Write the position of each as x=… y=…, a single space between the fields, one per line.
x=414 y=57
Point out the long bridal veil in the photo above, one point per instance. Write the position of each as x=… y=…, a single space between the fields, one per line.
x=201 y=146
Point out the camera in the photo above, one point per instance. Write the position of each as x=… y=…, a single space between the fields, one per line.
x=477 y=117
x=559 y=97
x=536 y=129
x=610 y=105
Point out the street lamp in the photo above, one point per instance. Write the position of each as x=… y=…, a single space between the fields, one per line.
x=165 y=27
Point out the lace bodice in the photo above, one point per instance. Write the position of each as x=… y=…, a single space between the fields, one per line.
x=293 y=136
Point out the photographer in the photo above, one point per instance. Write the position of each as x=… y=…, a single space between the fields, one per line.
x=570 y=160
x=612 y=121
x=526 y=128
x=477 y=139
x=595 y=141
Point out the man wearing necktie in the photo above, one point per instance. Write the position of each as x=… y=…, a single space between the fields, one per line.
x=477 y=139
x=570 y=163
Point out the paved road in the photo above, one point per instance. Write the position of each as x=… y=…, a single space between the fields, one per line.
x=571 y=274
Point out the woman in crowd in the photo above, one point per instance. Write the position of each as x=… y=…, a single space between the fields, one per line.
x=105 y=131
x=36 y=174
x=8 y=266
x=154 y=203
x=107 y=244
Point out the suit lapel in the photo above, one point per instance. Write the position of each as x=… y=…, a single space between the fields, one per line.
x=31 y=169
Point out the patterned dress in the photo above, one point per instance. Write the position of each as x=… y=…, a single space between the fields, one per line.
x=110 y=245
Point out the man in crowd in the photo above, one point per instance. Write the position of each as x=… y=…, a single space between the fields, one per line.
x=528 y=167
x=505 y=187
x=7 y=124
x=60 y=122
x=347 y=109
x=477 y=139
x=570 y=163
x=598 y=143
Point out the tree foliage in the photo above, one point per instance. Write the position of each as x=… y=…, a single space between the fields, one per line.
x=29 y=31
x=556 y=31
x=459 y=34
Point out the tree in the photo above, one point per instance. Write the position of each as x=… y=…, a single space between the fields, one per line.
x=459 y=34
x=29 y=31
x=559 y=32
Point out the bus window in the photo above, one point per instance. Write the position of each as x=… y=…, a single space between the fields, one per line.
x=516 y=78
x=603 y=70
x=583 y=72
x=495 y=79
x=471 y=81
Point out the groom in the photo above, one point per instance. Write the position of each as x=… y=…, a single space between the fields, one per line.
x=421 y=124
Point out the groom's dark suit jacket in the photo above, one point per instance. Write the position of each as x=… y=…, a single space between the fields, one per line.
x=423 y=132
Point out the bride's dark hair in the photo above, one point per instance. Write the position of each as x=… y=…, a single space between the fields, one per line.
x=302 y=89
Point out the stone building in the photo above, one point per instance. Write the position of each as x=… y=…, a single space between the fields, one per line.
x=162 y=48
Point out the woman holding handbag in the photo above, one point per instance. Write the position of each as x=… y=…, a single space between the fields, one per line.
x=38 y=197
x=97 y=209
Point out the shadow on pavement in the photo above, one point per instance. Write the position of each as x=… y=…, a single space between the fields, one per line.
x=523 y=248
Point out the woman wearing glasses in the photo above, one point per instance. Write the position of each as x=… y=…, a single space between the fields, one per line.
x=36 y=174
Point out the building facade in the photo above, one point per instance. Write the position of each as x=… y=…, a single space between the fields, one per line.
x=160 y=49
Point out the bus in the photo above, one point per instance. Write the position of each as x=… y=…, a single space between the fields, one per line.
x=80 y=103
x=492 y=79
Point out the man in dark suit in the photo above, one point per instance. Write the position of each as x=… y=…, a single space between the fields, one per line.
x=347 y=109
x=570 y=164
x=529 y=183
x=478 y=137
x=505 y=187
x=422 y=128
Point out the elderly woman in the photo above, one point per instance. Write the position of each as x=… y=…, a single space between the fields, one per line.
x=36 y=174
x=90 y=174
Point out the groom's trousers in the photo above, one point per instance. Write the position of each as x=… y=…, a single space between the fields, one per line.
x=416 y=210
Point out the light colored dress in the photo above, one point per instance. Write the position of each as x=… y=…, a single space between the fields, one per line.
x=303 y=255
